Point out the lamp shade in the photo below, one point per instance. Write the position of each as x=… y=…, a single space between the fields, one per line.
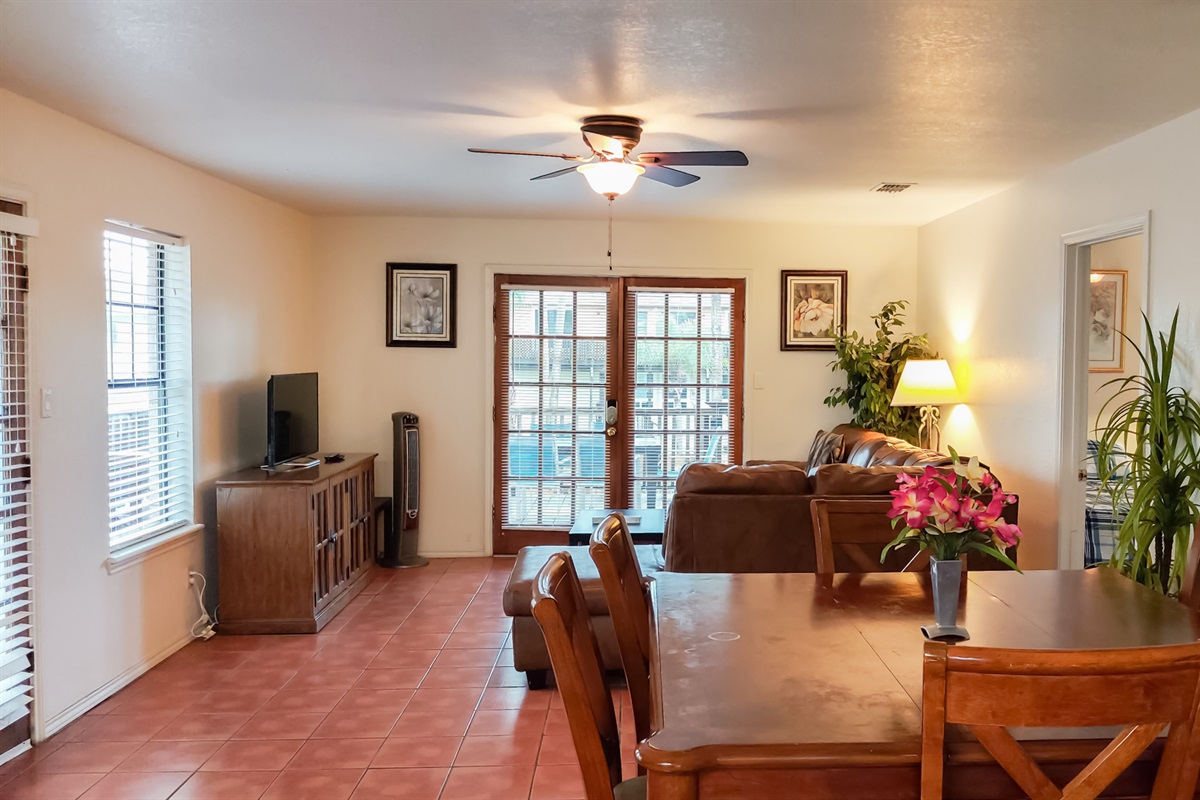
x=925 y=382
x=610 y=178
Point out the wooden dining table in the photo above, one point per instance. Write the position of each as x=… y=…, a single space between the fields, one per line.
x=780 y=686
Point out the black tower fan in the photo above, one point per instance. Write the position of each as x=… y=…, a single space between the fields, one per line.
x=400 y=543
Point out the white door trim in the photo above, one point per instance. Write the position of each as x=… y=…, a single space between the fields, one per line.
x=1073 y=374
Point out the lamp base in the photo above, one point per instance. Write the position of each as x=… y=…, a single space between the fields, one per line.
x=929 y=435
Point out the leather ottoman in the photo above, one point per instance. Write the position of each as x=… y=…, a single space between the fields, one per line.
x=529 y=648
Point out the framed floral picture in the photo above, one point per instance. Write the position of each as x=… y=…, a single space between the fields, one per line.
x=1106 y=316
x=814 y=309
x=421 y=301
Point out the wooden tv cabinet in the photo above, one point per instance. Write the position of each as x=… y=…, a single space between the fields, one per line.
x=294 y=547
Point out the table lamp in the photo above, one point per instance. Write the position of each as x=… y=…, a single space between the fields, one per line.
x=927 y=383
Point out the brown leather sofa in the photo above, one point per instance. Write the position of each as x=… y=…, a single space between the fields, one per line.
x=756 y=518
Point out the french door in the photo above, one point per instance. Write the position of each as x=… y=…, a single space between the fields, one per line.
x=604 y=389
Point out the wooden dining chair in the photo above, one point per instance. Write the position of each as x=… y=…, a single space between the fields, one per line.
x=988 y=690
x=858 y=529
x=1189 y=593
x=629 y=606
x=560 y=609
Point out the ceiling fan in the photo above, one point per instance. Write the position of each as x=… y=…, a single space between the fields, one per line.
x=609 y=168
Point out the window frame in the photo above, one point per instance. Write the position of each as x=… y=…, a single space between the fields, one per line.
x=170 y=418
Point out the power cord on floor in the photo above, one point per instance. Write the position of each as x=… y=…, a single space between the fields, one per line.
x=203 y=627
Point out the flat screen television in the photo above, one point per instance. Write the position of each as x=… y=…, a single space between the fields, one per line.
x=292 y=421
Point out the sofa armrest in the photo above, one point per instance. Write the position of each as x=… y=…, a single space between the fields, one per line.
x=739 y=533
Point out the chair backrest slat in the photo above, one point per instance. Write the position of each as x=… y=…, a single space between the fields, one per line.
x=561 y=611
x=990 y=690
x=859 y=529
x=625 y=590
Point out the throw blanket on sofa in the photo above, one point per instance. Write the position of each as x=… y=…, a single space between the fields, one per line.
x=1101 y=520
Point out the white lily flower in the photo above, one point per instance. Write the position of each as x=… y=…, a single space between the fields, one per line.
x=971 y=471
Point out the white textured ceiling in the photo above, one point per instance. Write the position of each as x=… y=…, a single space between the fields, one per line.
x=368 y=107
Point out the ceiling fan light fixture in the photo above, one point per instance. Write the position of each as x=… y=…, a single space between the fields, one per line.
x=611 y=178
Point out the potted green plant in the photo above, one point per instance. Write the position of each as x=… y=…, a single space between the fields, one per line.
x=872 y=367
x=1148 y=452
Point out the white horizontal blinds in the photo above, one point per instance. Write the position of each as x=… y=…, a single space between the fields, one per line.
x=552 y=364
x=16 y=648
x=682 y=387
x=149 y=384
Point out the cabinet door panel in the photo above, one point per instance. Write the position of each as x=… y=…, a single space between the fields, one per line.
x=323 y=575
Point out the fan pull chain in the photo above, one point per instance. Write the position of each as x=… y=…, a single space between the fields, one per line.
x=610 y=202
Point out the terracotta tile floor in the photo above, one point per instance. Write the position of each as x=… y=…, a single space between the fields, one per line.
x=408 y=693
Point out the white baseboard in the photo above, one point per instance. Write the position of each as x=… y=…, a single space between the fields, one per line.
x=24 y=747
x=450 y=554
x=86 y=704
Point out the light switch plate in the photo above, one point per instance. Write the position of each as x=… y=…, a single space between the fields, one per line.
x=47 y=403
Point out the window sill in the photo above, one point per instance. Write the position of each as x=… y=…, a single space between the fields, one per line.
x=127 y=557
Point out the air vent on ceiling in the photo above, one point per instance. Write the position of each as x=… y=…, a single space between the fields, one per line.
x=891 y=188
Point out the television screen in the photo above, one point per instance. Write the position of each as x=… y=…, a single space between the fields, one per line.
x=292 y=422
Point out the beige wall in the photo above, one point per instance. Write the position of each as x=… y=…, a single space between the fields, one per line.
x=1125 y=254
x=252 y=298
x=363 y=381
x=990 y=290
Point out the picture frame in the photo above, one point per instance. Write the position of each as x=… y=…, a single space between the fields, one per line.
x=1106 y=317
x=813 y=308
x=421 y=304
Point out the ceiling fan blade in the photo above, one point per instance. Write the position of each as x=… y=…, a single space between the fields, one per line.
x=604 y=145
x=555 y=174
x=671 y=177
x=697 y=158
x=527 y=153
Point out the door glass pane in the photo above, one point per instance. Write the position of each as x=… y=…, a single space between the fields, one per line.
x=554 y=450
x=682 y=376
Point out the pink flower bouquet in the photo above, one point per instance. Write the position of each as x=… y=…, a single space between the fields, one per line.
x=951 y=514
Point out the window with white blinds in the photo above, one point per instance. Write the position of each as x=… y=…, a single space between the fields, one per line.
x=148 y=300
x=16 y=648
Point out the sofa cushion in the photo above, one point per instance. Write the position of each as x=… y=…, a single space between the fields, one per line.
x=864 y=448
x=758 y=462
x=518 y=593
x=826 y=449
x=843 y=479
x=898 y=453
x=773 y=478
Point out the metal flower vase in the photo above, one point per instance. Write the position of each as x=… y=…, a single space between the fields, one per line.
x=947 y=588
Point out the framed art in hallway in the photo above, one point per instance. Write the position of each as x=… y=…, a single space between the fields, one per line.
x=813 y=309
x=421 y=300
x=1106 y=320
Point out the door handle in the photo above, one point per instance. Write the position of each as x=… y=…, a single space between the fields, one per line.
x=610 y=417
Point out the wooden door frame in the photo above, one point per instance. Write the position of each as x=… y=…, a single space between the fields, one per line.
x=546 y=273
